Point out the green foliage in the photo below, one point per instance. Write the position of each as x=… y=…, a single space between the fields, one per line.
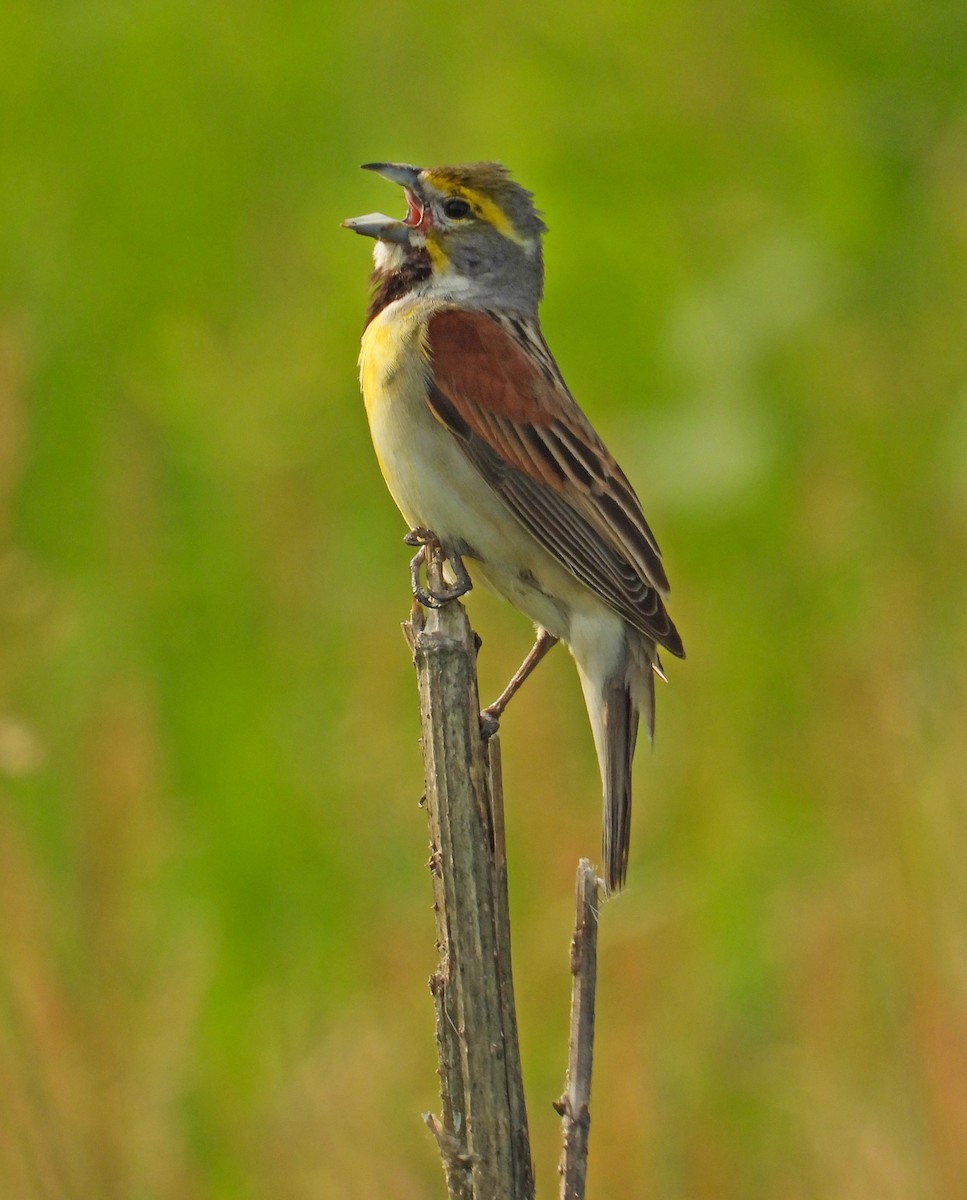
x=214 y=923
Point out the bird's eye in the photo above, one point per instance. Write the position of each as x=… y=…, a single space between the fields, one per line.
x=456 y=209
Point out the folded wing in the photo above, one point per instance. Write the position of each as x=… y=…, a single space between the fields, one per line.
x=494 y=384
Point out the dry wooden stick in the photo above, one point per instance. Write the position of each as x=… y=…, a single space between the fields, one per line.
x=574 y=1104
x=482 y=1131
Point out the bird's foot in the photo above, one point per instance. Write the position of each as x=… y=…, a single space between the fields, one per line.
x=489 y=723
x=432 y=556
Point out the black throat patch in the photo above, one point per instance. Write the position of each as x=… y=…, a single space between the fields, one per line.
x=391 y=285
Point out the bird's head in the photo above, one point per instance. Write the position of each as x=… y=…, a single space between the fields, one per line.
x=474 y=232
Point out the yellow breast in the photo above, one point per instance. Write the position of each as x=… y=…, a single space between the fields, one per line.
x=393 y=345
x=409 y=441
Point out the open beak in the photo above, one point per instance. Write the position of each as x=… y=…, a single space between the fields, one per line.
x=389 y=229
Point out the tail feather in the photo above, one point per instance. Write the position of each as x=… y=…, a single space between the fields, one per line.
x=620 y=721
x=617 y=699
x=620 y=714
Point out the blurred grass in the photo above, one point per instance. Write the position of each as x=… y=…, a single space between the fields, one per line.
x=214 y=922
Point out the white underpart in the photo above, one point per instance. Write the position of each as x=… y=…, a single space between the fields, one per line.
x=597 y=643
x=449 y=284
x=388 y=256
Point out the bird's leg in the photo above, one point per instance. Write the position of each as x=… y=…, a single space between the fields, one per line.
x=429 y=551
x=490 y=717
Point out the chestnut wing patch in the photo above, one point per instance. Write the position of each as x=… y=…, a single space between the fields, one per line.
x=493 y=383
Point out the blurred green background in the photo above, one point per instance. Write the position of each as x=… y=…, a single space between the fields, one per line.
x=215 y=922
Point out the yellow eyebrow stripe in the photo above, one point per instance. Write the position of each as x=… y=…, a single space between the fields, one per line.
x=482 y=205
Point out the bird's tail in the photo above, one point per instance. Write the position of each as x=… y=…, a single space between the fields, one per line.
x=619 y=716
x=615 y=706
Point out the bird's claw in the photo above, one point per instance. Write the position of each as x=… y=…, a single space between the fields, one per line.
x=431 y=551
x=421 y=537
x=489 y=724
x=432 y=599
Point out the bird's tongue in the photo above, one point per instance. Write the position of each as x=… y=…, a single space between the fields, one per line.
x=414 y=210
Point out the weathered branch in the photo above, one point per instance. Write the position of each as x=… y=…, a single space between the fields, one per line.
x=574 y=1104
x=482 y=1132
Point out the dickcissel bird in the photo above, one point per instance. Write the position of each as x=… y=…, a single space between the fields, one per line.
x=489 y=458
